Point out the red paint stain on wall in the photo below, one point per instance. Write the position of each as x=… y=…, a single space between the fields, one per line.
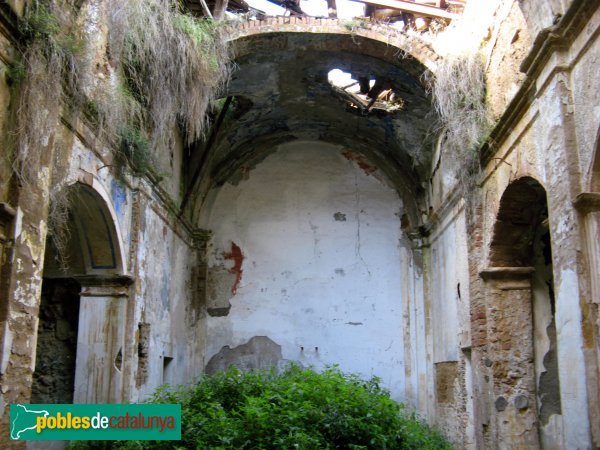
x=238 y=258
x=360 y=161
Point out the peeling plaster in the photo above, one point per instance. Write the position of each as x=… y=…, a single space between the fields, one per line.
x=235 y=255
x=572 y=364
x=311 y=281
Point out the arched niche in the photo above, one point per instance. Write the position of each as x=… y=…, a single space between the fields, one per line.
x=521 y=320
x=93 y=244
x=80 y=342
x=523 y=207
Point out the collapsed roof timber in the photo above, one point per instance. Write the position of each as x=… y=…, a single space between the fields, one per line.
x=415 y=14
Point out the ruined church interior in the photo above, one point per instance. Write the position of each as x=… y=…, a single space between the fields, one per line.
x=407 y=189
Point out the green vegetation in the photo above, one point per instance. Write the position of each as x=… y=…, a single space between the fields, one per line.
x=164 y=68
x=355 y=24
x=135 y=147
x=298 y=408
x=458 y=92
x=172 y=63
x=15 y=73
x=157 y=76
x=48 y=66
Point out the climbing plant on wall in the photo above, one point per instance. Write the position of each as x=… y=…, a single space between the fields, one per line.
x=171 y=63
x=48 y=66
x=146 y=76
x=159 y=72
x=458 y=92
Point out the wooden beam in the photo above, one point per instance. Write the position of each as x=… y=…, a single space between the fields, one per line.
x=332 y=8
x=219 y=8
x=205 y=9
x=414 y=8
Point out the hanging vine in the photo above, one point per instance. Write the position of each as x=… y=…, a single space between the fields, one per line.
x=156 y=76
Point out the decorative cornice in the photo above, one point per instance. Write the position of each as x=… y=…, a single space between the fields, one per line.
x=200 y=236
x=104 y=285
x=587 y=202
x=7 y=212
x=507 y=273
x=558 y=36
x=546 y=43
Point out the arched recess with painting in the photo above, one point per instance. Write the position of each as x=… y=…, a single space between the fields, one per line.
x=80 y=344
x=521 y=321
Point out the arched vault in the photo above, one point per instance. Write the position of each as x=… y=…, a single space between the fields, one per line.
x=280 y=92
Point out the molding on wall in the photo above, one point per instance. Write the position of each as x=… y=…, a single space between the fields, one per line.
x=587 y=202
x=548 y=41
x=506 y=273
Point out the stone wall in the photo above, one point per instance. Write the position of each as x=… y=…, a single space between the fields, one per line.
x=480 y=309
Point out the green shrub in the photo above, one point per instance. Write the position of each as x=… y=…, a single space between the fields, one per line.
x=135 y=147
x=298 y=408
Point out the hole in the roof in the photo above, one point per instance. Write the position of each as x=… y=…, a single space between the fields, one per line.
x=348 y=81
x=363 y=93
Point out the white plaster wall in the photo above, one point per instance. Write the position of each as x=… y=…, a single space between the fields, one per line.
x=449 y=276
x=308 y=279
x=163 y=298
x=415 y=350
x=586 y=96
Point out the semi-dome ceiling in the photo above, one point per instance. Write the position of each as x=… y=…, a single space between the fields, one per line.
x=280 y=92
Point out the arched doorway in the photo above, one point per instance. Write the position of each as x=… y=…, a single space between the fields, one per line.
x=82 y=311
x=521 y=321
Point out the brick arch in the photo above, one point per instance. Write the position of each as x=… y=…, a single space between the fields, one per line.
x=523 y=207
x=268 y=46
x=377 y=40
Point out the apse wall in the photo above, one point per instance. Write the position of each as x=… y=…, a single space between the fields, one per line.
x=305 y=264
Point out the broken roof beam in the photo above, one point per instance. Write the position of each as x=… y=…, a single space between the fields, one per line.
x=201 y=8
x=291 y=5
x=414 y=8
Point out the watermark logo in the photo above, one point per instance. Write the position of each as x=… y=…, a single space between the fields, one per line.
x=95 y=422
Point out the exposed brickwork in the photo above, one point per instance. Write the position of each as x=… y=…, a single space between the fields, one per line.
x=511 y=344
x=478 y=313
x=360 y=161
x=397 y=44
x=446 y=374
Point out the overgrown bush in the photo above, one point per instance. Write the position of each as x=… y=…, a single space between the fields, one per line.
x=135 y=147
x=298 y=408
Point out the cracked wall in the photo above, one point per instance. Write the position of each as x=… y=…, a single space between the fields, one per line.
x=318 y=269
x=308 y=262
